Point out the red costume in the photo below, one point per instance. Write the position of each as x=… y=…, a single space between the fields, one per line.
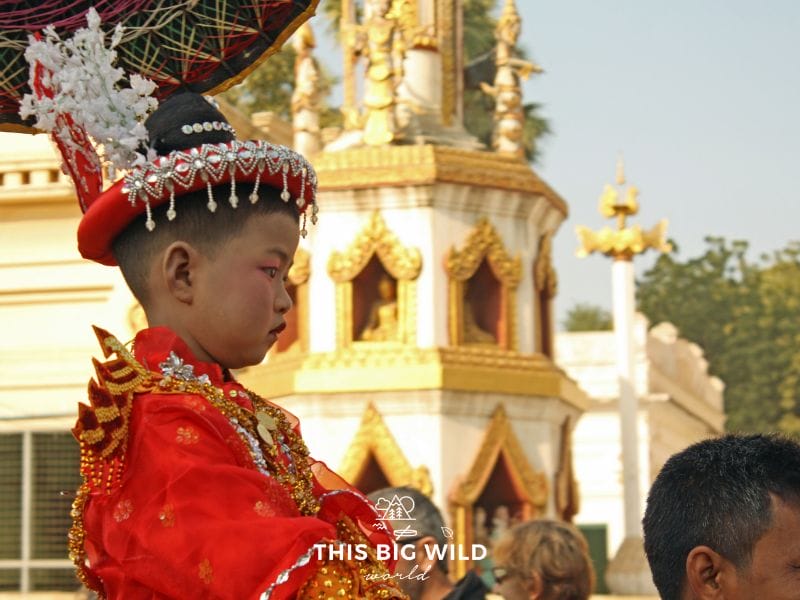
x=193 y=486
x=196 y=488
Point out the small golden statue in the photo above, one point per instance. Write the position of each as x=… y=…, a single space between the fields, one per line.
x=509 y=115
x=380 y=41
x=474 y=333
x=382 y=322
x=305 y=104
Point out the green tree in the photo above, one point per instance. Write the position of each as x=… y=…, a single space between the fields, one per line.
x=587 y=317
x=269 y=88
x=746 y=316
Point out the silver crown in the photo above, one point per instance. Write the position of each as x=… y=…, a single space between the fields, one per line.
x=220 y=163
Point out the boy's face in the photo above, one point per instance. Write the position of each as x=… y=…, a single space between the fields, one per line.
x=241 y=297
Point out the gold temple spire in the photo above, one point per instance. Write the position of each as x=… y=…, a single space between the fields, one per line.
x=624 y=242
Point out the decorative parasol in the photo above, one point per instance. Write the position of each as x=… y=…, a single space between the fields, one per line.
x=204 y=46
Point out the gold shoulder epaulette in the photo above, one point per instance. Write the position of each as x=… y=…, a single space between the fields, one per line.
x=102 y=427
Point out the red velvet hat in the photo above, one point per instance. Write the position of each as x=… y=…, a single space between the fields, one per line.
x=202 y=153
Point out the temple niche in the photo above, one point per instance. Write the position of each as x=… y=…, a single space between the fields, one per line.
x=375 y=287
x=483 y=281
x=482 y=310
x=375 y=310
x=500 y=489
x=545 y=281
x=375 y=460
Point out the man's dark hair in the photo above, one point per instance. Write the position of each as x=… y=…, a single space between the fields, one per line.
x=716 y=493
x=135 y=248
x=427 y=520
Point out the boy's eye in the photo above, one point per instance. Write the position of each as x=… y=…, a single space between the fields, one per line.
x=271 y=271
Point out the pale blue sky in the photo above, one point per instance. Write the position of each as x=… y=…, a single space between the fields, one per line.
x=703 y=99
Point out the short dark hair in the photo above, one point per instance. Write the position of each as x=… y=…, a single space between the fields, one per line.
x=427 y=521
x=716 y=493
x=135 y=248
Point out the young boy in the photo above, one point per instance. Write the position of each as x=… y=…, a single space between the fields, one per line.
x=195 y=487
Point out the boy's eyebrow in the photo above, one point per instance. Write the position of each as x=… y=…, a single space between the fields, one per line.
x=281 y=254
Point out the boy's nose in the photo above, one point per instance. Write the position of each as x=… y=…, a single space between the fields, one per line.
x=283 y=301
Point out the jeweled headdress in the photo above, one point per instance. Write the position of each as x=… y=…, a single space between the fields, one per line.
x=76 y=91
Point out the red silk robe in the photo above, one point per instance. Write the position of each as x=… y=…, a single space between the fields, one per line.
x=177 y=503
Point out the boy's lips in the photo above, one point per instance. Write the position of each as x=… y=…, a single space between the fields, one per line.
x=277 y=330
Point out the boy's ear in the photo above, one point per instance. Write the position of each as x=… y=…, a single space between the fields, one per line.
x=178 y=266
x=705 y=574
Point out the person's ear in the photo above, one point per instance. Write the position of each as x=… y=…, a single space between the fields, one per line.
x=534 y=586
x=705 y=573
x=426 y=556
x=178 y=265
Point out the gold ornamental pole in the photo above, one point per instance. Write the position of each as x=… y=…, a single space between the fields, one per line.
x=622 y=244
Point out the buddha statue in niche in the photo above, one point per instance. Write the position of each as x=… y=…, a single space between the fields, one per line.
x=382 y=322
x=473 y=333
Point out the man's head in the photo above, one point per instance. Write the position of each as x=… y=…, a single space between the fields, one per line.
x=424 y=524
x=216 y=278
x=723 y=520
x=543 y=560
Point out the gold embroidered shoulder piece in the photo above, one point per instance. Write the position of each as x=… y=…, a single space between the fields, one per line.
x=102 y=427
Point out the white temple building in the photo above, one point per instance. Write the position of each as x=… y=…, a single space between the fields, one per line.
x=679 y=404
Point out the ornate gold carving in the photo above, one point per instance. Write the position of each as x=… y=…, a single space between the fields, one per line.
x=374 y=438
x=622 y=244
x=403 y=264
x=301 y=267
x=544 y=275
x=499 y=440
x=426 y=165
x=370 y=366
x=446 y=31
x=298 y=276
x=484 y=242
x=566 y=489
x=460 y=265
x=625 y=242
x=407 y=17
x=545 y=281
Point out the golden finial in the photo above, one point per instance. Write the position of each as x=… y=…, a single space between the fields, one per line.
x=625 y=242
x=509 y=22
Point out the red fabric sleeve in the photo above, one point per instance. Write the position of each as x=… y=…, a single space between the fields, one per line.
x=193 y=518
